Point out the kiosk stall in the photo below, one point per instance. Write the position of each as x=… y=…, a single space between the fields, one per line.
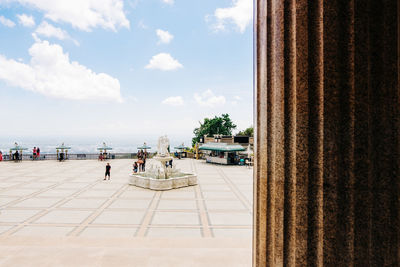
x=222 y=153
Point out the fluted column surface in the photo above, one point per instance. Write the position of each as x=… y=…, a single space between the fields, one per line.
x=327 y=136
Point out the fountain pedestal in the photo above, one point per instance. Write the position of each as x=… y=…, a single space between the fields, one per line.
x=161 y=177
x=162 y=184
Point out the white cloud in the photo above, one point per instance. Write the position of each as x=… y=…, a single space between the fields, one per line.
x=169 y=2
x=6 y=22
x=131 y=98
x=51 y=73
x=48 y=30
x=236 y=99
x=25 y=20
x=164 y=36
x=133 y=3
x=241 y=14
x=142 y=25
x=82 y=14
x=209 y=99
x=164 y=61
x=173 y=101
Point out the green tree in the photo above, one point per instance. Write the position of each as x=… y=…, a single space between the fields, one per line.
x=217 y=125
x=248 y=132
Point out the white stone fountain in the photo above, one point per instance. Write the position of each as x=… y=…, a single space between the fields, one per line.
x=160 y=177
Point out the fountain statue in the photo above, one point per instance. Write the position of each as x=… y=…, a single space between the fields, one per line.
x=163 y=155
x=162 y=146
x=159 y=176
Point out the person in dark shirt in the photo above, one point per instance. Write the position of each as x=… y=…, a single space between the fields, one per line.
x=108 y=171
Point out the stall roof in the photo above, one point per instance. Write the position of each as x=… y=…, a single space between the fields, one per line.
x=18 y=148
x=144 y=147
x=222 y=147
x=181 y=147
x=63 y=147
x=104 y=148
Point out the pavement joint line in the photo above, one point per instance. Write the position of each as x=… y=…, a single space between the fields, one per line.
x=201 y=198
x=97 y=212
x=90 y=225
x=78 y=175
x=29 y=196
x=45 y=211
x=204 y=219
x=132 y=225
x=137 y=225
x=235 y=190
x=142 y=231
x=177 y=210
x=19 y=184
x=20 y=199
x=172 y=226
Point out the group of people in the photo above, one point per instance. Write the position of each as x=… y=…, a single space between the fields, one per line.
x=35 y=153
x=103 y=156
x=140 y=164
x=16 y=156
x=62 y=156
x=142 y=154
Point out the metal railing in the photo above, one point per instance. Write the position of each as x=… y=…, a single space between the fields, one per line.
x=74 y=156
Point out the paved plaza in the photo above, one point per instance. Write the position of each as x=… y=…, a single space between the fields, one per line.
x=65 y=214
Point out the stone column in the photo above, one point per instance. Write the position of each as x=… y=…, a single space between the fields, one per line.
x=327 y=135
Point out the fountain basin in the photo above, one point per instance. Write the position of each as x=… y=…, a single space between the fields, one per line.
x=162 y=184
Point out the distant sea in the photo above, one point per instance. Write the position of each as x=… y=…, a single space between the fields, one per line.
x=85 y=145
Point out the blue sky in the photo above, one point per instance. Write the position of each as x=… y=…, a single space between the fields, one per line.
x=123 y=69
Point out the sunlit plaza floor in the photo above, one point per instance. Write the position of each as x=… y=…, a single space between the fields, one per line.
x=65 y=214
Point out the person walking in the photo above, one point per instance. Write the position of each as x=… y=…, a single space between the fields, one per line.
x=37 y=152
x=1 y=156
x=108 y=171
x=34 y=153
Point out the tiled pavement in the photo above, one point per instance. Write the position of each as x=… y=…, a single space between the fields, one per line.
x=70 y=200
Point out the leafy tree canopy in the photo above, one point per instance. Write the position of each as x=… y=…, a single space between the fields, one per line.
x=248 y=132
x=217 y=125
